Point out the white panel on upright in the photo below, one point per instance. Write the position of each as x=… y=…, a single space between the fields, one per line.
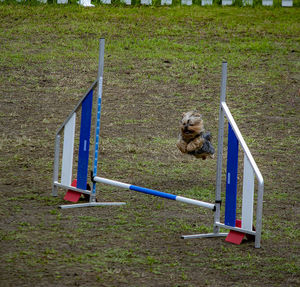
x=68 y=150
x=62 y=1
x=187 y=2
x=127 y=2
x=248 y=195
x=166 y=2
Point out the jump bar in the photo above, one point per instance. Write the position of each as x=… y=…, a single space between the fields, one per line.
x=154 y=192
x=91 y=204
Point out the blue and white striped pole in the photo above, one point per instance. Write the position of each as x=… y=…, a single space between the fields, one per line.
x=98 y=115
x=154 y=192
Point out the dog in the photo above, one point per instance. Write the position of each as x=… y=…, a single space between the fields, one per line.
x=193 y=139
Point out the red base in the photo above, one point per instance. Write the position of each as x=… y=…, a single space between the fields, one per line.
x=72 y=195
x=235 y=237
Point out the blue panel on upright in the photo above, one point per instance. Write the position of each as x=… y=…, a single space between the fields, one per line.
x=231 y=177
x=84 y=141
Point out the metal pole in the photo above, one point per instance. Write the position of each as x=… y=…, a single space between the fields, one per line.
x=56 y=165
x=216 y=230
x=220 y=147
x=98 y=115
x=259 y=209
x=91 y=204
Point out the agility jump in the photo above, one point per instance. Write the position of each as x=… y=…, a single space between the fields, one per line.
x=238 y=229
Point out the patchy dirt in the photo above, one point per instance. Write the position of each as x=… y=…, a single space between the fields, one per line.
x=139 y=244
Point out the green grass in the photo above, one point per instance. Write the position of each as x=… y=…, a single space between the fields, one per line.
x=159 y=62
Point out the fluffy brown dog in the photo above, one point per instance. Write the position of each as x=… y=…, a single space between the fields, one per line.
x=193 y=139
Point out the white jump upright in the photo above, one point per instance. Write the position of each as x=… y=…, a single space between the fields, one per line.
x=235 y=139
x=68 y=130
x=251 y=172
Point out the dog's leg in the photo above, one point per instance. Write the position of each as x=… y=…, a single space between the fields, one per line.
x=195 y=144
x=181 y=144
x=202 y=156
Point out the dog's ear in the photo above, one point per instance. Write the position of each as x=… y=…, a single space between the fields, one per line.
x=183 y=115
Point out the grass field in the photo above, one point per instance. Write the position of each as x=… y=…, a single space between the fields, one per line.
x=159 y=62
